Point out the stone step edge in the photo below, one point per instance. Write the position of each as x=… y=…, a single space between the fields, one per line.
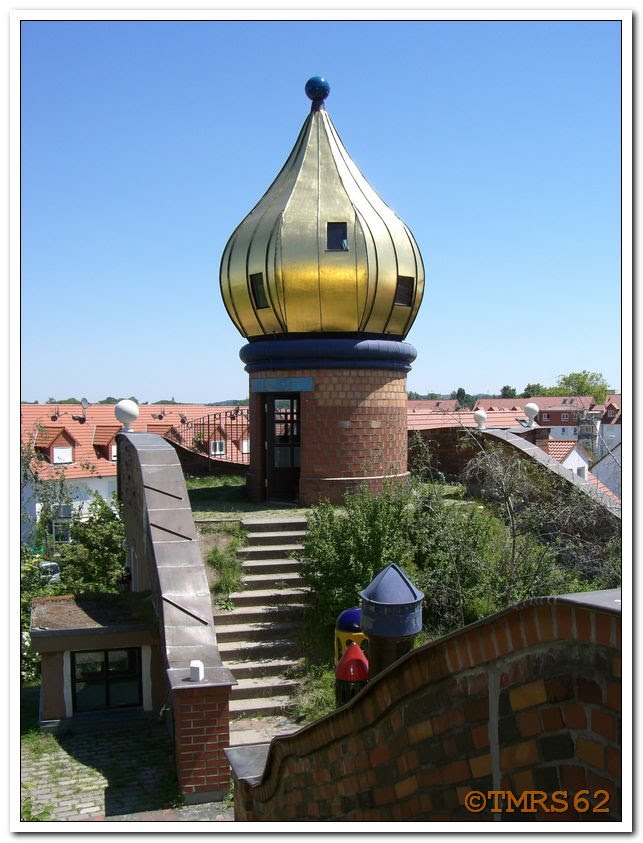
x=260 y=704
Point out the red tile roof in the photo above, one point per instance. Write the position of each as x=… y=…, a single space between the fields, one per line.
x=437 y=419
x=104 y=433
x=544 y=402
x=591 y=478
x=426 y=405
x=90 y=436
x=559 y=449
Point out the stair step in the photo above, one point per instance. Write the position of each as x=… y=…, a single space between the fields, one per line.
x=271 y=551
x=275 y=596
x=283 y=537
x=262 y=667
x=270 y=566
x=280 y=593
x=245 y=615
x=274 y=525
x=264 y=631
x=261 y=650
x=259 y=582
x=270 y=588
x=259 y=706
x=250 y=688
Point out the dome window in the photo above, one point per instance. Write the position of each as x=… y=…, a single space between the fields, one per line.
x=258 y=290
x=404 y=290
x=336 y=237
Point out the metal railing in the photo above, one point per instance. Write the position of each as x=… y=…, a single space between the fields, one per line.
x=221 y=436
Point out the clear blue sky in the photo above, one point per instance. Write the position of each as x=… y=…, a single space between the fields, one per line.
x=145 y=143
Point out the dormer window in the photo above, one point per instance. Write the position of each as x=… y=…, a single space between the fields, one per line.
x=113 y=452
x=336 y=237
x=258 y=290
x=56 y=444
x=610 y=414
x=404 y=291
x=62 y=455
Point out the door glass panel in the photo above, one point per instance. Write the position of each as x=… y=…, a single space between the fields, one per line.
x=119 y=661
x=123 y=692
x=91 y=696
x=281 y=457
x=89 y=665
x=106 y=679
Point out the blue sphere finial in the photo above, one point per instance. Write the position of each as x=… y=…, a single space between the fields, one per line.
x=317 y=89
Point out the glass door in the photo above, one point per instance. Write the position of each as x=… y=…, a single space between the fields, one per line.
x=282 y=446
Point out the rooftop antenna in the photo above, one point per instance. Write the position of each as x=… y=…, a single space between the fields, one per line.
x=84 y=403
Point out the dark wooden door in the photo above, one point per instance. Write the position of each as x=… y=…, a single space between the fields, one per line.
x=282 y=446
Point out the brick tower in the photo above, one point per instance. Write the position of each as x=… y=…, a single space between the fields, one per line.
x=324 y=281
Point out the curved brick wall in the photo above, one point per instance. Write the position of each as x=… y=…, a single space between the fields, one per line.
x=353 y=431
x=528 y=699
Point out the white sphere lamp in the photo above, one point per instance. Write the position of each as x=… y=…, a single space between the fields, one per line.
x=126 y=412
x=531 y=411
x=480 y=418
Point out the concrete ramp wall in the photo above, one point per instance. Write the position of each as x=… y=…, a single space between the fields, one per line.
x=166 y=559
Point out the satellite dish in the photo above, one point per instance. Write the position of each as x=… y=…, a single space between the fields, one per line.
x=84 y=403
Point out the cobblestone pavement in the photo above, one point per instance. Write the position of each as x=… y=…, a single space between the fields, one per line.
x=119 y=771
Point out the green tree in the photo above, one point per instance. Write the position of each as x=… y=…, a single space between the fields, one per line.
x=463 y=397
x=583 y=383
x=508 y=392
x=94 y=559
x=533 y=389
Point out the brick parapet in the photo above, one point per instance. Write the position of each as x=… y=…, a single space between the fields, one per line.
x=528 y=699
x=201 y=736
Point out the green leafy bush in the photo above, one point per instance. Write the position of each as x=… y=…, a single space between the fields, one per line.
x=345 y=548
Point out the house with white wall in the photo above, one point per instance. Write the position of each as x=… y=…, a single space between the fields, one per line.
x=75 y=446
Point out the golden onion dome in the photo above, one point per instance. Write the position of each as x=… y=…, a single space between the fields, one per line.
x=321 y=252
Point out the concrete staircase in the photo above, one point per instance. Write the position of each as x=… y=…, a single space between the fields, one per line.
x=258 y=639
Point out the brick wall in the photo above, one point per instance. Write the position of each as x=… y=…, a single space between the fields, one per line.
x=528 y=699
x=450 y=450
x=201 y=733
x=353 y=431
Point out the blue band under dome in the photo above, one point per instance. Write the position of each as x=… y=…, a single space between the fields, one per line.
x=327 y=353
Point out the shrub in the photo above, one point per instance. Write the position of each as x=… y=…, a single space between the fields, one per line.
x=344 y=549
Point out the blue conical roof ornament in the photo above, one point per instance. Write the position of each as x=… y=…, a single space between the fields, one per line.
x=391 y=605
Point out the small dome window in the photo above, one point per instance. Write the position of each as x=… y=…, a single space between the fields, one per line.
x=404 y=290
x=258 y=290
x=336 y=237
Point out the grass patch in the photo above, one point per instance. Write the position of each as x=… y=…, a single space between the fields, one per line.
x=224 y=560
x=316 y=693
x=214 y=481
x=29 y=812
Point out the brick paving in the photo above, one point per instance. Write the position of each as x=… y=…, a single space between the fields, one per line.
x=121 y=771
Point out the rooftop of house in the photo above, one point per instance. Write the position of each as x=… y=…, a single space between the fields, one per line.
x=544 y=402
x=465 y=418
x=426 y=405
x=86 y=611
x=93 y=430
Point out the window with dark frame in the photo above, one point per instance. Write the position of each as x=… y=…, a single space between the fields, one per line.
x=404 y=290
x=104 y=679
x=336 y=236
x=258 y=290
